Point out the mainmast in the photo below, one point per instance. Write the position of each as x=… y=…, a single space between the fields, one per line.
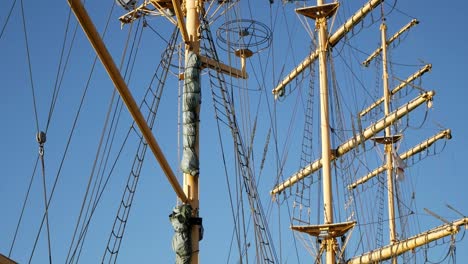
x=329 y=230
x=192 y=52
x=322 y=27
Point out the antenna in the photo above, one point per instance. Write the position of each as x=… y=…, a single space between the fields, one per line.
x=455 y=210
x=437 y=216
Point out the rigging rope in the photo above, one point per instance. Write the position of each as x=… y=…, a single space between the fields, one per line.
x=59 y=79
x=263 y=240
x=41 y=139
x=29 y=66
x=8 y=18
x=151 y=102
x=23 y=207
x=70 y=257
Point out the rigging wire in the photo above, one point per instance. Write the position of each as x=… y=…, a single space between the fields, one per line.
x=100 y=190
x=272 y=113
x=65 y=152
x=61 y=165
x=100 y=141
x=59 y=79
x=37 y=127
x=97 y=193
x=23 y=207
x=262 y=235
x=29 y=66
x=41 y=139
x=8 y=18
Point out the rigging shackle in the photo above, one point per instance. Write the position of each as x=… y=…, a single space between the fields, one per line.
x=41 y=139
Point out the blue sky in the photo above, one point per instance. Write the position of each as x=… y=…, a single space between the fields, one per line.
x=439 y=39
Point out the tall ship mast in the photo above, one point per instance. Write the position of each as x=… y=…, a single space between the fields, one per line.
x=280 y=82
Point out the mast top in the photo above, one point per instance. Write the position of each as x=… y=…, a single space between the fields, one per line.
x=315 y=12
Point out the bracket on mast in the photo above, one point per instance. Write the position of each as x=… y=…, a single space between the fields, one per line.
x=221 y=67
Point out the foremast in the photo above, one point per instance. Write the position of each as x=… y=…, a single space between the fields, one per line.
x=329 y=230
x=322 y=27
x=191 y=111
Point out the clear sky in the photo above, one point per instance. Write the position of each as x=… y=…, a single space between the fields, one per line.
x=439 y=39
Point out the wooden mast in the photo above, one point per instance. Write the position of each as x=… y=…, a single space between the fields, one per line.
x=321 y=13
x=321 y=25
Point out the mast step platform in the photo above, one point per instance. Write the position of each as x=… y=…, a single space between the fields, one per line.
x=325 y=230
x=388 y=139
x=320 y=11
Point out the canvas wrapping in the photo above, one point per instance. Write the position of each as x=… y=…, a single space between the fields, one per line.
x=181 y=241
x=190 y=119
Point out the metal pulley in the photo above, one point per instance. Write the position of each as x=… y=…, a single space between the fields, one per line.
x=41 y=137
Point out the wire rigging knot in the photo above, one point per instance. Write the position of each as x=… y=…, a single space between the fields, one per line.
x=41 y=139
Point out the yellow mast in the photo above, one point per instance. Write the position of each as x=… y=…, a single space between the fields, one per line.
x=321 y=13
x=389 y=143
x=321 y=25
x=191 y=188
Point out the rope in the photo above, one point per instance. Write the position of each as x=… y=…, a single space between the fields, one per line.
x=75 y=121
x=59 y=79
x=8 y=18
x=23 y=207
x=86 y=219
x=264 y=246
x=29 y=65
x=41 y=139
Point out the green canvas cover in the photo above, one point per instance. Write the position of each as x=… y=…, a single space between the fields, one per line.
x=191 y=101
x=181 y=242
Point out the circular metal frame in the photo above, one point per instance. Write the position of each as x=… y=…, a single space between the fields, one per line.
x=243 y=34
